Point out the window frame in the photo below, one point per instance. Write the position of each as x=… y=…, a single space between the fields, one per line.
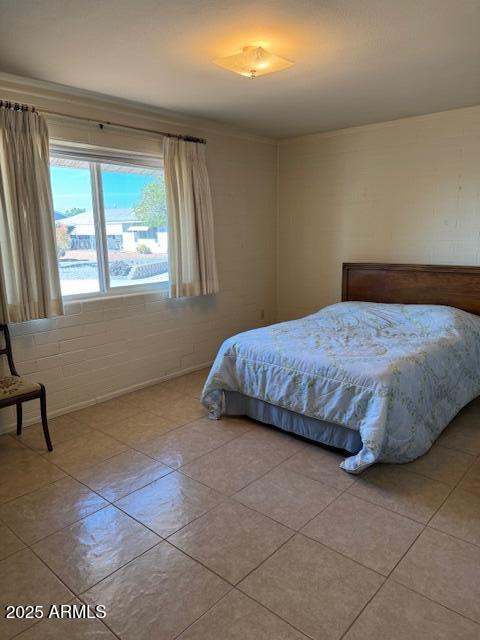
x=96 y=156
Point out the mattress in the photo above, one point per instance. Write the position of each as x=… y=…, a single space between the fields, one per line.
x=395 y=374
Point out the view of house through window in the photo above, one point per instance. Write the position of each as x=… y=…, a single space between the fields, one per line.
x=111 y=225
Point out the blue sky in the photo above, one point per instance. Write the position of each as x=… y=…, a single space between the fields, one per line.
x=71 y=188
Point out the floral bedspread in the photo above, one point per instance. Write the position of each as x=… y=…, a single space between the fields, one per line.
x=397 y=373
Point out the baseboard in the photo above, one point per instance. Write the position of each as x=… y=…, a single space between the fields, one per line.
x=10 y=426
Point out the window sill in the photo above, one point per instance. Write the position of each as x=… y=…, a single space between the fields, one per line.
x=160 y=289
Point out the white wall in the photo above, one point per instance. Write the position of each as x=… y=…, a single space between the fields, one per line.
x=402 y=191
x=105 y=346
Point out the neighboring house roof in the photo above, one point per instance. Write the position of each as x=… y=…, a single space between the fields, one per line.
x=123 y=216
x=58 y=215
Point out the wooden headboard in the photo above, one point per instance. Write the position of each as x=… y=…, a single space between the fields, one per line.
x=413 y=284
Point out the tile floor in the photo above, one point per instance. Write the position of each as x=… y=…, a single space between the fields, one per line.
x=198 y=530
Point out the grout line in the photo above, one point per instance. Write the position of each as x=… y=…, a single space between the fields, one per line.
x=197 y=561
x=98 y=581
x=110 y=503
x=82 y=595
x=225 y=496
x=164 y=538
x=454 y=486
x=38 y=621
x=274 y=613
x=45 y=455
x=232 y=497
x=438 y=603
x=294 y=533
x=382 y=584
x=196 y=458
x=385 y=508
x=251 y=481
x=257 y=603
x=113 y=503
x=25 y=545
x=341 y=553
x=32 y=550
x=451 y=535
x=203 y=614
x=386 y=578
x=66 y=526
x=425 y=525
x=398 y=512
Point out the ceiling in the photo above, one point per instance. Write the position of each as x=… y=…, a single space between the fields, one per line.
x=356 y=61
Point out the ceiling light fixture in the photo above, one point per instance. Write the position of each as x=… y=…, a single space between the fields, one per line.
x=253 y=62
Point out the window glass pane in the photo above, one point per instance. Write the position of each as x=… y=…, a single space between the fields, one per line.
x=136 y=224
x=74 y=225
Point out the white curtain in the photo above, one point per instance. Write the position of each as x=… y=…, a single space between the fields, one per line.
x=191 y=246
x=29 y=280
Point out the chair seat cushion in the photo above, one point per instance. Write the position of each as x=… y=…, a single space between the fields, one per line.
x=11 y=386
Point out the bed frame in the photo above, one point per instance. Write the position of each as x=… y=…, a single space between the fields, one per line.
x=454 y=286
x=370 y=282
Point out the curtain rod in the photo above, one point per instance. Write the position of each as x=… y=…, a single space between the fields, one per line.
x=25 y=107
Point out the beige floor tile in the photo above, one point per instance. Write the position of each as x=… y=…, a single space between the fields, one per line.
x=237 y=463
x=471 y=481
x=42 y=512
x=396 y=613
x=315 y=589
x=191 y=441
x=443 y=464
x=26 y=580
x=98 y=415
x=81 y=628
x=181 y=410
x=395 y=488
x=158 y=595
x=443 y=569
x=9 y=543
x=10 y=445
x=460 y=516
x=463 y=433
x=322 y=465
x=373 y=536
x=170 y=503
x=23 y=472
x=167 y=398
x=151 y=398
x=190 y=384
x=141 y=427
x=85 y=451
x=94 y=547
x=231 y=539
x=287 y=496
x=62 y=429
x=122 y=474
x=237 y=617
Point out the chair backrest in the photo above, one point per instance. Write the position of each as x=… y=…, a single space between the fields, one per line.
x=7 y=349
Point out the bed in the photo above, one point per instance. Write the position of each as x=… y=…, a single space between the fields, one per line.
x=379 y=375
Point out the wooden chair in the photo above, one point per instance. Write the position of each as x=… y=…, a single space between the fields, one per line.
x=14 y=390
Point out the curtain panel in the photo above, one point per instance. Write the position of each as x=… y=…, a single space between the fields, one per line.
x=29 y=279
x=191 y=245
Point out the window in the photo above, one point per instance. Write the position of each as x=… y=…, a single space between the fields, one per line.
x=110 y=222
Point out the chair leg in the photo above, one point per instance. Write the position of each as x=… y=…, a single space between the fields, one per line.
x=43 y=412
x=19 y=418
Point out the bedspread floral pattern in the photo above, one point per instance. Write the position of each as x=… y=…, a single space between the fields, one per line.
x=397 y=373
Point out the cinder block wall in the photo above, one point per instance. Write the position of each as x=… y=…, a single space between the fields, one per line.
x=402 y=191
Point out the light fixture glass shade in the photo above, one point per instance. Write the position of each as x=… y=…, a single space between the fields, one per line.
x=253 y=62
